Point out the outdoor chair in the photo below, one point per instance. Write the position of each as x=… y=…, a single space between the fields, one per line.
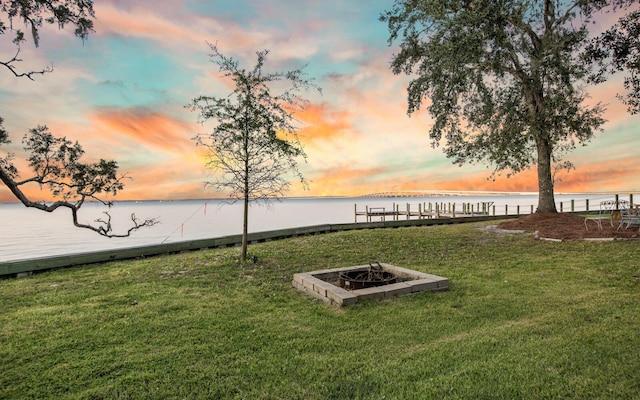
x=605 y=213
x=628 y=217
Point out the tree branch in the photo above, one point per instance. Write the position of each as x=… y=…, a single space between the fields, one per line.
x=11 y=67
x=56 y=164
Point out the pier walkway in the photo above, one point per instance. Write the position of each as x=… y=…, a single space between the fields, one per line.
x=424 y=211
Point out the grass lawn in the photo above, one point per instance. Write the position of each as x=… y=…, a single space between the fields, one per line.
x=522 y=319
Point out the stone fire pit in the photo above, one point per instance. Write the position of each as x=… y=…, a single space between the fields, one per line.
x=326 y=284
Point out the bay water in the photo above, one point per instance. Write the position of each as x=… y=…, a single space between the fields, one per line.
x=29 y=233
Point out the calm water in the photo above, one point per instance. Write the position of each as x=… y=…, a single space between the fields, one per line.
x=28 y=233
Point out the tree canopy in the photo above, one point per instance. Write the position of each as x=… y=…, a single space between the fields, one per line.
x=253 y=144
x=33 y=14
x=502 y=79
x=56 y=162
x=618 y=50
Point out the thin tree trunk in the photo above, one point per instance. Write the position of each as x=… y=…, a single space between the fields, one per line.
x=245 y=215
x=546 y=199
x=245 y=229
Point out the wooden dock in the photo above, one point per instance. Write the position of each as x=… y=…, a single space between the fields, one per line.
x=439 y=210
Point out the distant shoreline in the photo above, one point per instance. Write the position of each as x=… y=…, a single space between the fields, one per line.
x=390 y=194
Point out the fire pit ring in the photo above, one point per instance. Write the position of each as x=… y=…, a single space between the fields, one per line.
x=374 y=276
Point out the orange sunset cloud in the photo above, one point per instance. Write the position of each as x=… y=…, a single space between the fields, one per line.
x=606 y=176
x=343 y=181
x=148 y=128
x=322 y=124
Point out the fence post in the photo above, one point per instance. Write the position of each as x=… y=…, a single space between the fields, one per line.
x=518 y=210
x=587 y=204
x=494 y=210
x=631 y=199
x=506 y=209
x=453 y=210
x=617 y=201
x=531 y=209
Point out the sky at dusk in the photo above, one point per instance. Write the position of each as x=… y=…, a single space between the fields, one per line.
x=122 y=95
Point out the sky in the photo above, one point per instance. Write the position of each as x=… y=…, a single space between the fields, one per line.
x=122 y=95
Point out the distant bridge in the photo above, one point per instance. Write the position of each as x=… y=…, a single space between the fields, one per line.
x=431 y=193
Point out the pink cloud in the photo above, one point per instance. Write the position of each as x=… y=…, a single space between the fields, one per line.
x=170 y=27
x=147 y=128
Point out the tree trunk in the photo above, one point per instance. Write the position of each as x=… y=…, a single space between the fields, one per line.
x=245 y=214
x=245 y=229
x=546 y=199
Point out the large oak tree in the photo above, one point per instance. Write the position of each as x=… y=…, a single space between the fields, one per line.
x=502 y=79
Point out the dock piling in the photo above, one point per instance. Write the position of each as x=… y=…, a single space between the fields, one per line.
x=443 y=209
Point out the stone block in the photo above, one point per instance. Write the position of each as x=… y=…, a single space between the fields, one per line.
x=397 y=289
x=443 y=283
x=403 y=272
x=300 y=277
x=433 y=277
x=370 y=293
x=422 y=285
x=342 y=297
x=308 y=282
x=322 y=287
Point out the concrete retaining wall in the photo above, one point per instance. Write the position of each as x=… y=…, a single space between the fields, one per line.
x=40 y=264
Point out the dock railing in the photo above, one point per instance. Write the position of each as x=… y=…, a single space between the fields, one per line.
x=430 y=210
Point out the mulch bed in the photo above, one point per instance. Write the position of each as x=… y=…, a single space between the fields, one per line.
x=567 y=226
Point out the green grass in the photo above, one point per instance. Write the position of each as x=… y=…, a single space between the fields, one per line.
x=522 y=319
